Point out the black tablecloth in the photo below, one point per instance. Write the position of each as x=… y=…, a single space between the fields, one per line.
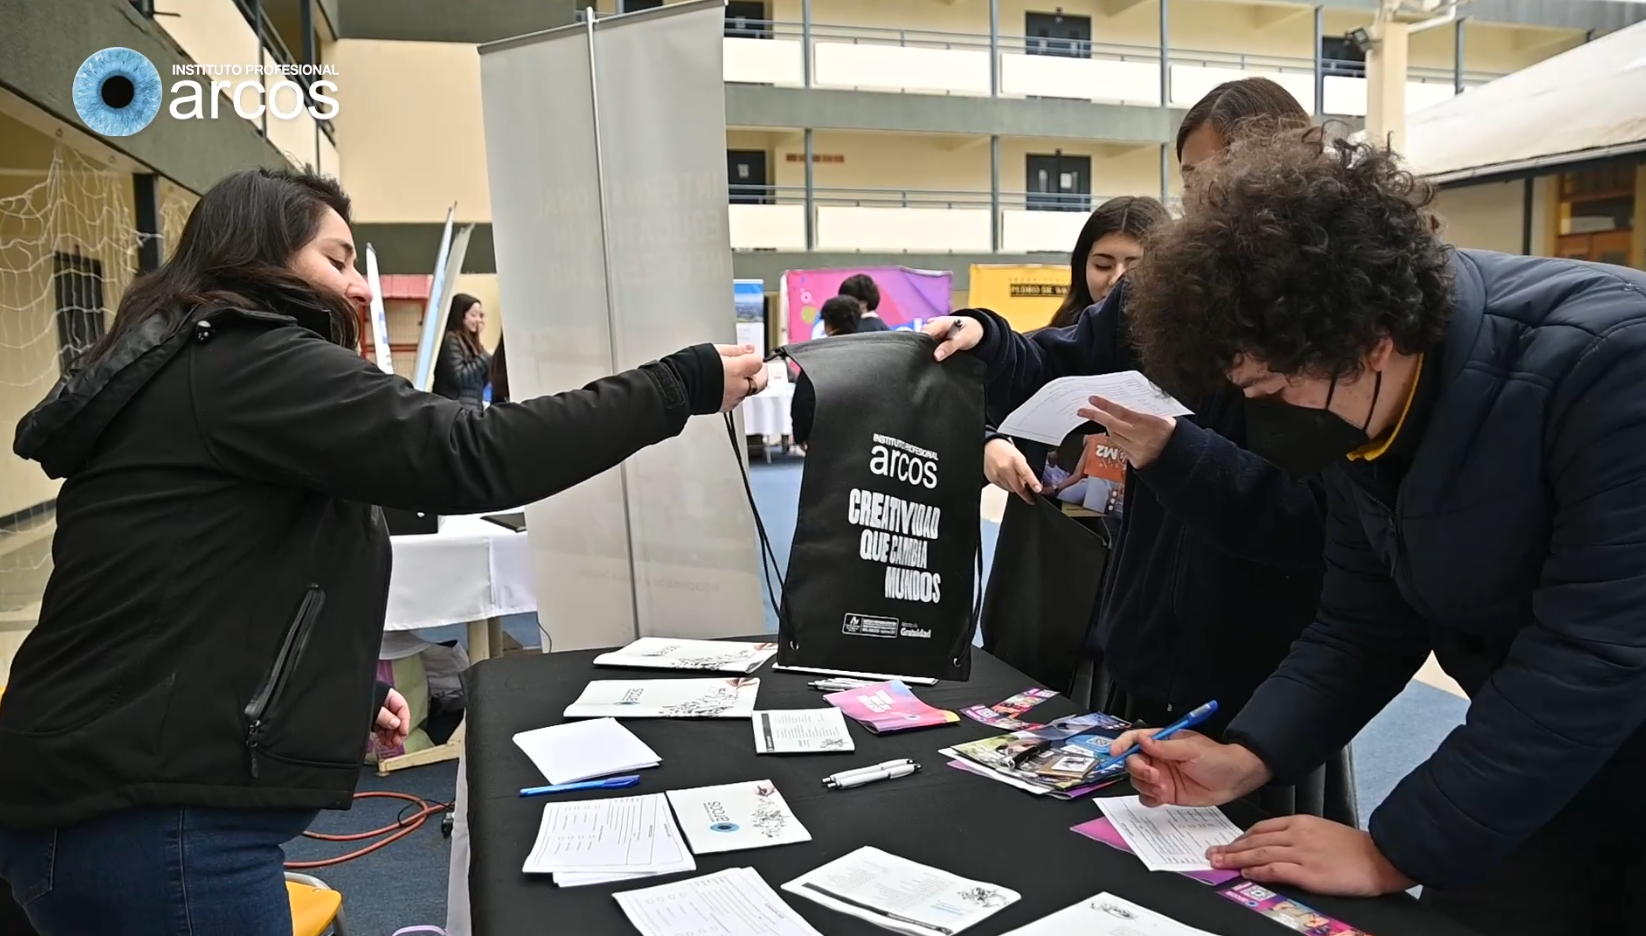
x=940 y=816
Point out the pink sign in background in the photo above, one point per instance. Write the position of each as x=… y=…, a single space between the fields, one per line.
x=908 y=298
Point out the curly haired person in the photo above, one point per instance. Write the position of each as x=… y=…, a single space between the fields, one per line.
x=1480 y=420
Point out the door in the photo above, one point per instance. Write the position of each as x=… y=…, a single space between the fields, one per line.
x=1059 y=183
x=1339 y=56
x=746 y=19
x=1057 y=34
x=746 y=177
x=635 y=6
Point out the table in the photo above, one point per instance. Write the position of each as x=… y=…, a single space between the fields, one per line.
x=963 y=824
x=766 y=414
x=472 y=572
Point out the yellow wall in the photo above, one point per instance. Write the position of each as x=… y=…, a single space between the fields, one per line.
x=410 y=131
x=1489 y=217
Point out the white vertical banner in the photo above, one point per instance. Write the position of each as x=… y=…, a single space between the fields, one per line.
x=605 y=148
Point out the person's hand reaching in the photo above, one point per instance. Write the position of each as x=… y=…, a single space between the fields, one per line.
x=745 y=374
x=393 y=721
x=1141 y=436
x=1190 y=769
x=1005 y=467
x=954 y=333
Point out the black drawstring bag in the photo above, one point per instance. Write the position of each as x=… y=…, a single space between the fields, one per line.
x=883 y=573
x=1047 y=575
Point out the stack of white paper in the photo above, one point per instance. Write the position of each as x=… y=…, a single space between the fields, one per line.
x=1054 y=410
x=901 y=895
x=802 y=731
x=736 y=816
x=1169 y=838
x=734 y=902
x=712 y=656
x=584 y=750
x=1107 y=915
x=666 y=698
x=594 y=841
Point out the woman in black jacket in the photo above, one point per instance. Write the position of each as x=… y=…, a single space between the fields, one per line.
x=200 y=681
x=464 y=367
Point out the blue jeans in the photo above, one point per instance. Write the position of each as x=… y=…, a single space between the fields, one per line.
x=156 y=872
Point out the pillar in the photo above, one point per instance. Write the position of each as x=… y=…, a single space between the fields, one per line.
x=1386 y=86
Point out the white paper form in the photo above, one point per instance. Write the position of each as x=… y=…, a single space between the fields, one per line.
x=1107 y=915
x=734 y=902
x=584 y=750
x=802 y=731
x=580 y=878
x=1169 y=838
x=624 y=834
x=901 y=895
x=1054 y=410
x=666 y=698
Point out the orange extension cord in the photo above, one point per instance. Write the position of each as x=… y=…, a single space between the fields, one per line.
x=403 y=826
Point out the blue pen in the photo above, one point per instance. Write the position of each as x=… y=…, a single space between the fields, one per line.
x=611 y=783
x=1188 y=721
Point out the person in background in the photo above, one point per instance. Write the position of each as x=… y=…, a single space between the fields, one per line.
x=861 y=287
x=200 y=682
x=1218 y=564
x=1480 y=419
x=463 y=368
x=500 y=373
x=1110 y=242
x=841 y=316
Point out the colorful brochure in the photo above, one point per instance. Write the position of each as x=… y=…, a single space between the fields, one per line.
x=887 y=707
x=1287 y=912
x=1059 y=758
x=1006 y=714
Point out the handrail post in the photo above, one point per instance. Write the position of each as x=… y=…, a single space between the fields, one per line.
x=806 y=55
x=1165 y=55
x=811 y=197
x=994 y=48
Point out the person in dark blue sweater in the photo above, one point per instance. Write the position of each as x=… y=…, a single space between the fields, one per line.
x=1218 y=564
x=1481 y=422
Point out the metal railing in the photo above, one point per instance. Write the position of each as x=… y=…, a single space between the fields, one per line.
x=817 y=32
x=914 y=198
x=269 y=36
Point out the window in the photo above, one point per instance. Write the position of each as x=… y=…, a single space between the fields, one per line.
x=635 y=6
x=1340 y=56
x=1058 y=183
x=1057 y=34
x=1597 y=214
x=81 y=321
x=746 y=19
x=746 y=177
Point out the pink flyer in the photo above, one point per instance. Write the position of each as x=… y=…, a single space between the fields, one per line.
x=889 y=706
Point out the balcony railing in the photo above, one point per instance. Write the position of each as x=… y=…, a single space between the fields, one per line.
x=878 y=220
x=977 y=65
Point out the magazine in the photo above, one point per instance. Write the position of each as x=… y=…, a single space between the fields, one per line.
x=713 y=656
x=889 y=706
x=1059 y=758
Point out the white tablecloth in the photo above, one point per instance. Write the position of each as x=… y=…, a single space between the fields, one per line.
x=471 y=570
x=766 y=414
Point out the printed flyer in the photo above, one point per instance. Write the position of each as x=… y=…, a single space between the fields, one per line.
x=889 y=706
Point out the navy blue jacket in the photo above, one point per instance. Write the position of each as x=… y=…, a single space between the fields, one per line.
x=1218 y=564
x=1515 y=549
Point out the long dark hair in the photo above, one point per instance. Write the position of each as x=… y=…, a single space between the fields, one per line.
x=461 y=304
x=500 y=373
x=1132 y=215
x=1248 y=100
x=233 y=254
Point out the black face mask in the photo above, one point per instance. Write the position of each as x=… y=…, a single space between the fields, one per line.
x=1301 y=440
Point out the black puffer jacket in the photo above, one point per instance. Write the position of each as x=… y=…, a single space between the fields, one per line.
x=462 y=375
x=212 y=624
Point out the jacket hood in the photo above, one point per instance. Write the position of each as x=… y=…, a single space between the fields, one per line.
x=62 y=431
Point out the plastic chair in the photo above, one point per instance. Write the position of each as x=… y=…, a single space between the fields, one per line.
x=315 y=908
